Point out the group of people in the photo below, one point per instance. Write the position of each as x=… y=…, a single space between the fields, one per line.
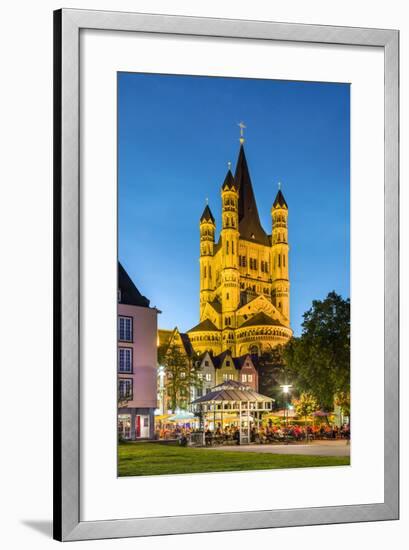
x=296 y=432
x=173 y=432
x=258 y=434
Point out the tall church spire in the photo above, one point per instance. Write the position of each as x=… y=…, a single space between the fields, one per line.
x=249 y=220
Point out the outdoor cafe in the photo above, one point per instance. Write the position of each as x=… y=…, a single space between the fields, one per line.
x=234 y=404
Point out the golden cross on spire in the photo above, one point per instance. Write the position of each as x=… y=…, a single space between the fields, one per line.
x=242 y=126
x=229 y=165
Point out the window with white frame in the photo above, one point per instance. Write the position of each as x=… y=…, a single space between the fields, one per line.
x=125 y=360
x=244 y=377
x=208 y=377
x=125 y=388
x=249 y=378
x=125 y=329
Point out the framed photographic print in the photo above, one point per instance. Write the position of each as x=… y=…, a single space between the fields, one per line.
x=226 y=274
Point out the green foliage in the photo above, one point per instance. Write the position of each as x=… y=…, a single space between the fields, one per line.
x=305 y=405
x=343 y=401
x=181 y=376
x=271 y=366
x=275 y=371
x=320 y=357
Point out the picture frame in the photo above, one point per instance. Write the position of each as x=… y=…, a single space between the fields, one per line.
x=68 y=24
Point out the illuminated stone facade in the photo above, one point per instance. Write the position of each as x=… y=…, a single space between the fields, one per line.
x=244 y=277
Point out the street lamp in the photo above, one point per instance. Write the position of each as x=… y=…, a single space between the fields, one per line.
x=286 y=390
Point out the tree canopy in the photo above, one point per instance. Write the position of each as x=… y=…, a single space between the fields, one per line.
x=320 y=357
x=181 y=376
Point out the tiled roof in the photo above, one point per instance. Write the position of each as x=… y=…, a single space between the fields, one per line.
x=129 y=294
x=231 y=390
x=205 y=325
x=261 y=319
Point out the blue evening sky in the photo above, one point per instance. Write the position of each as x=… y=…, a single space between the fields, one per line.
x=175 y=137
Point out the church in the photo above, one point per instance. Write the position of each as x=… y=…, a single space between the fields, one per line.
x=244 y=276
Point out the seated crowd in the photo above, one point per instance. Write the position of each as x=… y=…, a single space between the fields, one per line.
x=262 y=434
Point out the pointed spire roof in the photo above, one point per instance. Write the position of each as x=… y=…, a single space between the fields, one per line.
x=207 y=215
x=229 y=182
x=280 y=200
x=249 y=221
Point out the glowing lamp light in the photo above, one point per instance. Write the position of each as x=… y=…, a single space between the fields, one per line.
x=286 y=387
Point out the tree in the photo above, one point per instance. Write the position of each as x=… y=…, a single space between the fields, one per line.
x=320 y=357
x=181 y=375
x=270 y=365
x=274 y=371
x=343 y=401
x=305 y=406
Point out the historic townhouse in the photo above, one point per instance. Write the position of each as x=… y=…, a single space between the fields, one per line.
x=137 y=361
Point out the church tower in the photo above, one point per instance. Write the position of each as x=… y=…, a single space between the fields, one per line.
x=207 y=233
x=230 y=277
x=244 y=276
x=280 y=292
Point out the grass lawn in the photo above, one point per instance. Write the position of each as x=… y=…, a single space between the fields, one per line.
x=144 y=459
